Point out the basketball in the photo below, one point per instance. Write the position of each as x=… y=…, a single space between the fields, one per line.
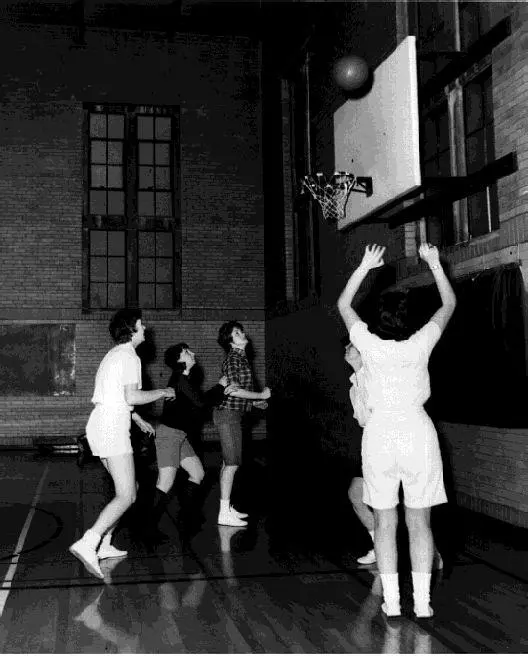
x=351 y=72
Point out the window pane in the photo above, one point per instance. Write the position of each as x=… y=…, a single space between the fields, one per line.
x=490 y=142
x=478 y=214
x=115 y=152
x=97 y=295
x=115 y=177
x=444 y=164
x=146 y=203
x=98 y=125
x=145 y=127
x=475 y=152
x=473 y=106
x=163 y=296
x=116 y=126
x=97 y=202
x=116 y=202
x=146 y=296
x=164 y=270
x=487 y=93
x=98 y=152
x=163 y=204
x=98 y=269
x=98 y=176
x=431 y=169
x=163 y=177
x=116 y=296
x=116 y=243
x=162 y=154
x=146 y=244
x=146 y=153
x=97 y=242
x=164 y=244
x=146 y=177
x=163 y=128
x=147 y=272
x=443 y=131
x=116 y=269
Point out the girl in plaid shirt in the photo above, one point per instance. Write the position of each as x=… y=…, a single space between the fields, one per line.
x=229 y=414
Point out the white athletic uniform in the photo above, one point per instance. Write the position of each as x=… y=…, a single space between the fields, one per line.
x=358 y=397
x=400 y=444
x=108 y=428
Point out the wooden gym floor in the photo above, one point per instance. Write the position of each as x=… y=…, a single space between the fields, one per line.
x=287 y=583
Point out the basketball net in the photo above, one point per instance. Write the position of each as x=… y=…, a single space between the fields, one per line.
x=332 y=194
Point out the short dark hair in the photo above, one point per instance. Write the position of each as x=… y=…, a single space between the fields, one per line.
x=225 y=333
x=172 y=355
x=123 y=324
x=392 y=317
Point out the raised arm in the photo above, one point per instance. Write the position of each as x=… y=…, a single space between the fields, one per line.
x=430 y=255
x=372 y=259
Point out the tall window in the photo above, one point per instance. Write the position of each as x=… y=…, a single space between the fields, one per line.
x=131 y=209
x=483 y=207
x=436 y=162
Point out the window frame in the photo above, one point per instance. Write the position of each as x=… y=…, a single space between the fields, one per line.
x=130 y=222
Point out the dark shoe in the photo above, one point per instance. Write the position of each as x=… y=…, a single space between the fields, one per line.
x=190 y=516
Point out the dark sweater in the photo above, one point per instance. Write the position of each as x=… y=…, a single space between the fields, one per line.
x=189 y=409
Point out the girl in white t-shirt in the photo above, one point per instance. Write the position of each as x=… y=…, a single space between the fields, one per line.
x=117 y=391
x=400 y=444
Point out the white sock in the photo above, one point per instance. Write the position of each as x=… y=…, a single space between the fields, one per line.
x=422 y=593
x=107 y=539
x=224 y=505
x=391 y=593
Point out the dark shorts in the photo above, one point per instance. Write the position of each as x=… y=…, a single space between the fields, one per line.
x=229 y=426
x=172 y=446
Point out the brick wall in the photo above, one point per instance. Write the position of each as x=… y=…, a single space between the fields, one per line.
x=216 y=82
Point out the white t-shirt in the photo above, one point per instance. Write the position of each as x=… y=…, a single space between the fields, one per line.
x=120 y=366
x=396 y=373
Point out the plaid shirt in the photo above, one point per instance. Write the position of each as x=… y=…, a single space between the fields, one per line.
x=236 y=368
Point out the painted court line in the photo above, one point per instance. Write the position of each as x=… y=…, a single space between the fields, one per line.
x=10 y=575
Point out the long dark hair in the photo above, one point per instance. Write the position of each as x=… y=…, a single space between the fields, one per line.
x=392 y=317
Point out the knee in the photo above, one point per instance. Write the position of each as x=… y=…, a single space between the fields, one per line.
x=417 y=522
x=197 y=476
x=355 y=491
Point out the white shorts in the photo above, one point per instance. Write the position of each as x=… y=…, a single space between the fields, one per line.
x=402 y=447
x=108 y=431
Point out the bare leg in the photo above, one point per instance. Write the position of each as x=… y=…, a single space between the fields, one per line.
x=121 y=469
x=227 y=515
x=364 y=513
x=166 y=478
x=386 y=523
x=193 y=466
x=418 y=522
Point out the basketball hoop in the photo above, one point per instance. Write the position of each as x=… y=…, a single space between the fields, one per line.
x=332 y=195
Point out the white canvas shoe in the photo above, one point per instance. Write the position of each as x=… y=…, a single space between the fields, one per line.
x=240 y=515
x=109 y=551
x=228 y=518
x=86 y=553
x=368 y=559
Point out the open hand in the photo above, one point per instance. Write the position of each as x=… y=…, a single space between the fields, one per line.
x=144 y=426
x=229 y=389
x=429 y=254
x=373 y=257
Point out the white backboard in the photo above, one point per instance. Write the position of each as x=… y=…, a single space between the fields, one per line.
x=380 y=133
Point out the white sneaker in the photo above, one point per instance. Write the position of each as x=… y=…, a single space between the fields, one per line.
x=109 y=551
x=87 y=555
x=228 y=518
x=238 y=514
x=368 y=559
